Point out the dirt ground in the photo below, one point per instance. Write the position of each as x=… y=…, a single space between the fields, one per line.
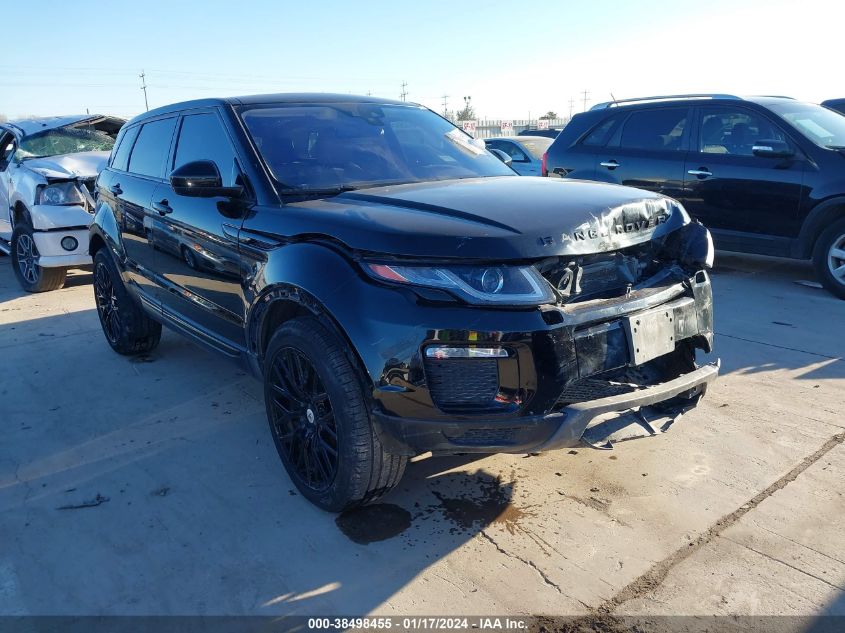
x=151 y=486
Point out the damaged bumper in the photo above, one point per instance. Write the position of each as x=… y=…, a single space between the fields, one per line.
x=51 y=226
x=553 y=386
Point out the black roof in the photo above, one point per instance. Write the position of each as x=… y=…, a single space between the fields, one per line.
x=284 y=97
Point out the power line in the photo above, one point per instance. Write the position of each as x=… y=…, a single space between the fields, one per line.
x=144 y=88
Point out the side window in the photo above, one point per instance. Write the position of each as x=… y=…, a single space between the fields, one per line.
x=734 y=131
x=7 y=148
x=598 y=136
x=660 y=129
x=202 y=137
x=512 y=150
x=120 y=157
x=150 y=152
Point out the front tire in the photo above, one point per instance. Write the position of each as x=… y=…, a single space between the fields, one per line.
x=320 y=419
x=31 y=276
x=127 y=327
x=829 y=258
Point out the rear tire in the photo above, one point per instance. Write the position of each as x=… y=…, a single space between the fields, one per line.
x=128 y=329
x=31 y=276
x=829 y=258
x=320 y=419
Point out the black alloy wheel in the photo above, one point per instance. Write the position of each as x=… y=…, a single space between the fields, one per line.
x=303 y=421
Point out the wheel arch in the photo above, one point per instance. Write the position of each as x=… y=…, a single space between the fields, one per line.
x=817 y=221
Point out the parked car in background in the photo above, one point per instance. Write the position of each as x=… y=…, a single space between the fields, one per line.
x=526 y=152
x=548 y=132
x=397 y=288
x=835 y=104
x=48 y=167
x=765 y=174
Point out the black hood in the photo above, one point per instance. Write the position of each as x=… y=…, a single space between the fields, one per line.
x=507 y=217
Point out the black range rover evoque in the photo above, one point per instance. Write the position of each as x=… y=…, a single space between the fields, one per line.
x=397 y=288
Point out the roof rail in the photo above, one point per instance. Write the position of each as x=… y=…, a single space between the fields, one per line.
x=611 y=104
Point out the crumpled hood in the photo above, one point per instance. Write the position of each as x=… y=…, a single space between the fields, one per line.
x=509 y=217
x=78 y=165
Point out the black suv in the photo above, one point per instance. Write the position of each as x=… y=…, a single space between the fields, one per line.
x=765 y=174
x=395 y=286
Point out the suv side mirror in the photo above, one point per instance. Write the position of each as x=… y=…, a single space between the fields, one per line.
x=772 y=149
x=201 y=179
x=502 y=156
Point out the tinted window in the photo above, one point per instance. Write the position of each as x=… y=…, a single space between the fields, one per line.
x=151 y=148
x=734 y=131
x=655 y=129
x=202 y=137
x=599 y=134
x=822 y=126
x=516 y=154
x=121 y=154
x=357 y=144
x=537 y=146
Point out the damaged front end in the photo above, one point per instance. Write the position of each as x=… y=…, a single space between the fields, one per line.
x=613 y=358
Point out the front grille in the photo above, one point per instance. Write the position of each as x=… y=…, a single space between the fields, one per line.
x=486 y=437
x=459 y=384
x=588 y=389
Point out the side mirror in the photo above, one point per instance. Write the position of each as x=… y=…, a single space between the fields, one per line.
x=505 y=158
x=201 y=179
x=772 y=149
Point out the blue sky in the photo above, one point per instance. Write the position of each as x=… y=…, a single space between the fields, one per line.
x=512 y=58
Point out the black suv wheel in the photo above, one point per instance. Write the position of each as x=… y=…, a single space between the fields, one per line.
x=320 y=419
x=829 y=258
x=32 y=277
x=127 y=327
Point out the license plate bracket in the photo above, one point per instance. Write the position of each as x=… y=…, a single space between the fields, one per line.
x=650 y=334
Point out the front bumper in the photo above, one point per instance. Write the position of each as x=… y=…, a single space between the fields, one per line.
x=53 y=223
x=561 y=429
x=545 y=394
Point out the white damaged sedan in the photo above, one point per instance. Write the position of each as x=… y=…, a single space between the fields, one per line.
x=48 y=169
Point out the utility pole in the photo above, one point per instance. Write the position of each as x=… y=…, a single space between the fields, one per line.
x=144 y=88
x=571 y=104
x=445 y=103
x=369 y=93
x=586 y=94
x=404 y=92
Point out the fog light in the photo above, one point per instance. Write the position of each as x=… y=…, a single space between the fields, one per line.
x=69 y=243
x=465 y=352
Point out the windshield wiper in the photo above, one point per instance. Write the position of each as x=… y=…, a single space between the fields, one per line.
x=327 y=191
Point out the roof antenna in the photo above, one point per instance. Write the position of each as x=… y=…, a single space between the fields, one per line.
x=613 y=98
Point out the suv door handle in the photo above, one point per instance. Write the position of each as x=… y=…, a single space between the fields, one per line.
x=116 y=190
x=701 y=173
x=162 y=207
x=610 y=164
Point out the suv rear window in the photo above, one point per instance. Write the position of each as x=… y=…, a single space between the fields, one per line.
x=151 y=148
x=599 y=134
x=660 y=129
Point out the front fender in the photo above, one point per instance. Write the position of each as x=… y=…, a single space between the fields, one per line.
x=328 y=282
x=104 y=227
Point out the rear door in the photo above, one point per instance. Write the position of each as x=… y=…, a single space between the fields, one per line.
x=648 y=150
x=730 y=189
x=197 y=238
x=7 y=148
x=133 y=192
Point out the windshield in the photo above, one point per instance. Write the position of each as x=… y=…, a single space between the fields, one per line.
x=537 y=146
x=326 y=146
x=822 y=126
x=64 y=140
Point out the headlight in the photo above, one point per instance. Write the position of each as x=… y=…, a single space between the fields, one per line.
x=506 y=285
x=60 y=193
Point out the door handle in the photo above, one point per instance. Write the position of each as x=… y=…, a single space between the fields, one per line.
x=162 y=207
x=116 y=190
x=610 y=164
x=700 y=173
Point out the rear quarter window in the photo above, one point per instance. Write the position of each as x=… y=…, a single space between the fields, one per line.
x=120 y=156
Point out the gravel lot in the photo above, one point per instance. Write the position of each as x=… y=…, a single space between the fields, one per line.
x=738 y=509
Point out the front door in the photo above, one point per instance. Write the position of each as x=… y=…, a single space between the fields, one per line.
x=196 y=238
x=7 y=149
x=647 y=151
x=731 y=190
